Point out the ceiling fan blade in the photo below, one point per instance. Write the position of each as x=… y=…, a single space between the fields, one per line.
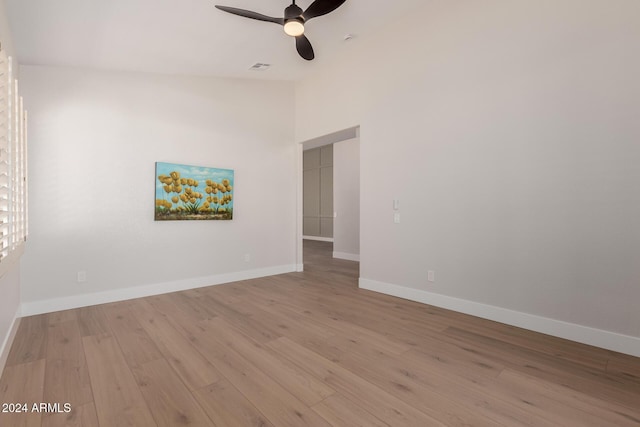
x=250 y=14
x=303 y=45
x=321 y=7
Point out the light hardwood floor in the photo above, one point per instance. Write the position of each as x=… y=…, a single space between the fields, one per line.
x=306 y=349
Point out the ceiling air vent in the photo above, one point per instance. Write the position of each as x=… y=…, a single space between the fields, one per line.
x=259 y=66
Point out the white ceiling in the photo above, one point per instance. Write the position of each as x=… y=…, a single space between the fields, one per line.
x=189 y=37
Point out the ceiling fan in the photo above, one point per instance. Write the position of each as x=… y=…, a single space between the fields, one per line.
x=293 y=21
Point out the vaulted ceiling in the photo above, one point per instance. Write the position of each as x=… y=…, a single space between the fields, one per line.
x=189 y=37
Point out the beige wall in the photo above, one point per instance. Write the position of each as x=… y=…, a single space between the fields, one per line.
x=509 y=133
x=95 y=137
x=5 y=30
x=346 y=199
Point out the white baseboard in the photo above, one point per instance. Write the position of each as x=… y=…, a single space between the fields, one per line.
x=318 y=239
x=348 y=257
x=571 y=331
x=8 y=340
x=75 y=301
x=300 y=268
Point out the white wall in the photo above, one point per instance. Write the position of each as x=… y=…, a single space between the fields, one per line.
x=509 y=131
x=94 y=140
x=10 y=274
x=346 y=199
x=5 y=32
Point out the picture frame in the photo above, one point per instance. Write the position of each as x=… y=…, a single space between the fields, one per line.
x=193 y=193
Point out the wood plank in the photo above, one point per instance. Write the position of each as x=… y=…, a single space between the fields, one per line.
x=67 y=376
x=339 y=335
x=62 y=316
x=543 y=366
x=232 y=295
x=80 y=416
x=374 y=400
x=353 y=336
x=226 y=406
x=553 y=398
x=295 y=380
x=377 y=308
x=136 y=345
x=289 y=323
x=429 y=392
x=340 y=411
x=67 y=381
x=450 y=358
x=248 y=325
x=22 y=384
x=167 y=397
x=185 y=302
x=64 y=341
x=30 y=342
x=296 y=332
x=277 y=404
x=92 y=321
x=192 y=367
x=572 y=352
x=118 y=399
x=179 y=313
x=366 y=316
x=624 y=368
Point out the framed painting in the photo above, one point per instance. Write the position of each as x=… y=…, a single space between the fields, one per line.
x=193 y=193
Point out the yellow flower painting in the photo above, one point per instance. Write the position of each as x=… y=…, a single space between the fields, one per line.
x=193 y=193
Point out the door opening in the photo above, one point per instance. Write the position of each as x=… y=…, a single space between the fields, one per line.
x=329 y=206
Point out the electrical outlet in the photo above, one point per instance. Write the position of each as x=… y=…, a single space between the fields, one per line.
x=82 y=276
x=247 y=257
x=396 y=218
x=431 y=276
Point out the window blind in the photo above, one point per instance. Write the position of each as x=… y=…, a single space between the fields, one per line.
x=13 y=161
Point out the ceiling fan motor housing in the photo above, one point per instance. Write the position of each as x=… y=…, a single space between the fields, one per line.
x=293 y=12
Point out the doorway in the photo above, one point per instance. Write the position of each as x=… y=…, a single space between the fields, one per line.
x=329 y=234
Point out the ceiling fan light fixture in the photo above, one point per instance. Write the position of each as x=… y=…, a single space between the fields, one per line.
x=294 y=27
x=293 y=20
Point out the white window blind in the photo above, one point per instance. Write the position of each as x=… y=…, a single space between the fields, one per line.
x=13 y=161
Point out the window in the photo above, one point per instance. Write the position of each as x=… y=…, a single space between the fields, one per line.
x=13 y=162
